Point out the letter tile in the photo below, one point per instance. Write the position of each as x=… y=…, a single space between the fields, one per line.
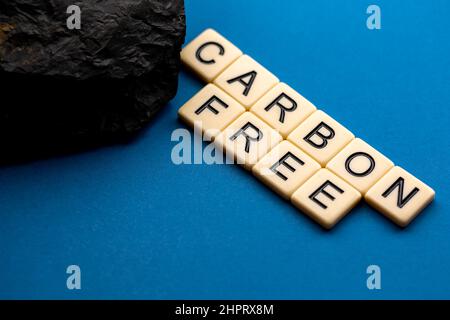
x=209 y=54
x=285 y=168
x=326 y=198
x=321 y=137
x=212 y=109
x=399 y=196
x=283 y=108
x=247 y=139
x=360 y=165
x=246 y=81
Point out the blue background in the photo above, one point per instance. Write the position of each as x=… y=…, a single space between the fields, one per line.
x=141 y=227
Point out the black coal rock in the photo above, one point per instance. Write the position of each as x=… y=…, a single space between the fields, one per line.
x=104 y=80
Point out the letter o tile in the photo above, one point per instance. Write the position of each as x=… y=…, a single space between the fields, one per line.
x=360 y=165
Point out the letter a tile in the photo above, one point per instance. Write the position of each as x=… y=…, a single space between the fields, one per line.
x=246 y=81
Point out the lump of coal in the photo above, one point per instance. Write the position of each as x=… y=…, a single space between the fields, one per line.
x=106 y=79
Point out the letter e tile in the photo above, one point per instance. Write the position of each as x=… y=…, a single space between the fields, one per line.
x=285 y=168
x=326 y=198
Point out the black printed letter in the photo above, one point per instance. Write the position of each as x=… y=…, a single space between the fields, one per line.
x=321 y=189
x=208 y=105
x=248 y=138
x=248 y=84
x=325 y=138
x=198 y=53
x=360 y=154
x=283 y=108
x=282 y=161
x=400 y=182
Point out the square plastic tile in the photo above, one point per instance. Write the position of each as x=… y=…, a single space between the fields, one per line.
x=211 y=109
x=285 y=168
x=247 y=139
x=246 y=81
x=326 y=198
x=360 y=165
x=321 y=137
x=399 y=196
x=209 y=54
x=283 y=108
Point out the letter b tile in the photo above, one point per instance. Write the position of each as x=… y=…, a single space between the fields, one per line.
x=247 y=139
x=209 y=54
x=326 y=198
x=399 y=196
x=321 y=137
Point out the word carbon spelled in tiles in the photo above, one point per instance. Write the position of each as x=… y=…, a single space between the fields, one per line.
x=301 y=153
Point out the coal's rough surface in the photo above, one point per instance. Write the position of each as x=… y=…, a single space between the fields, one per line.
x=106 y=79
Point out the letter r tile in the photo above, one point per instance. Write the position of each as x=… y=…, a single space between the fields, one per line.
x=247 y=139
x=212 y=109
x=321 y=137
x=209 y=54
x=399 y=196
x=283 y=108
x=325 y=198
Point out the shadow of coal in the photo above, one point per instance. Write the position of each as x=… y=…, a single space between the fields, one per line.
x=42 y=117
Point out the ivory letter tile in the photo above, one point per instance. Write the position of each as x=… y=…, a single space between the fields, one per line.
x=209 y=54
x=283 y=108
x=212 y=109
x=360 y=165
x=246 y=81
x=247 y=139
x=399 y=196
x=285 y=168
x=321 y=137
x=326 y=198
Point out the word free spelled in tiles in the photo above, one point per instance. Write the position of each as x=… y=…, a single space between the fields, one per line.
x=301 y=153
